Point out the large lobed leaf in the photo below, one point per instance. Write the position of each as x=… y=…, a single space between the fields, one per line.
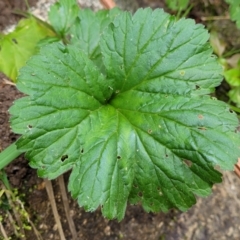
x=140 y=130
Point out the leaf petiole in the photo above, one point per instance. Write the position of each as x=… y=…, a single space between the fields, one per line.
x=8 y=155
x=236 y=109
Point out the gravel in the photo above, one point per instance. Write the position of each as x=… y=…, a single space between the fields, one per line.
x=42 y=7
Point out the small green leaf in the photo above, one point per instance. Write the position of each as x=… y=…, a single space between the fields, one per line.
x=62 y=15
x=234 y=9
x=145 y=131
x=232 y=76
x=18 y=46
x=234 y=95
x=177 y=4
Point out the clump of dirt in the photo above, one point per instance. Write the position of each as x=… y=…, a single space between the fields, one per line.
x=9 y=9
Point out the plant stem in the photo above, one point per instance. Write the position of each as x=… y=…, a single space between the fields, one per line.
x=214 y=18
x=3 y=231
x=8 y=155
x=236 y=109
x=4 y=179
x=50 y=193
x=67 y=208
x=13 y=223
x=27 y=4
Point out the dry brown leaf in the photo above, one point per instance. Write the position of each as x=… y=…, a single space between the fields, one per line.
x=237 y=168
x=108 y=3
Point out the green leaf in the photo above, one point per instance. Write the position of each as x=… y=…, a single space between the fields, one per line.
x=18 y=46
x=232 y=76
x=142 y=132
x=172 y=56
x=177 y=4
x=87 y=29
x=62 y=15
x=234 y=9
x=234 y=95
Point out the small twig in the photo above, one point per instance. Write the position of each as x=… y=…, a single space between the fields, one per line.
x=213 y=18
x=66 y=208
x=237 y=168
x=8 y=82
x=108 y=3
x=54 y=208
x=3 y=231
x=38 y=235
x=11 y=220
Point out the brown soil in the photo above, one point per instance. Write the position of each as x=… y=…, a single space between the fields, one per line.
x=215 y=217
x=8 y=10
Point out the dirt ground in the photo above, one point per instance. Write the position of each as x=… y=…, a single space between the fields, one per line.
x=214 y=217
